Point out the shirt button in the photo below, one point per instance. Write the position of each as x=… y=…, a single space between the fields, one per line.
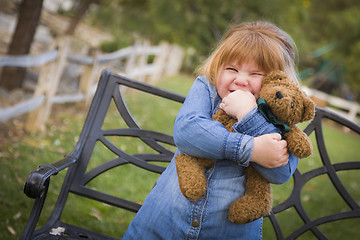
x=195 y=224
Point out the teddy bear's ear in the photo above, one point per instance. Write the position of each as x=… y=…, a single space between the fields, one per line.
x=309 y=112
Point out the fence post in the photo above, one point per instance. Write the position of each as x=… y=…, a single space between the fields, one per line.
x=47 y=86
x=142 y=61
x=130 y=63
x=160 y=62
x=174 y=61
x=89 y=76
x=353 y=110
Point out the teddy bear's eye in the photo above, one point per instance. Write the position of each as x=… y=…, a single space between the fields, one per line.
x=279 y=95
x=292 y=105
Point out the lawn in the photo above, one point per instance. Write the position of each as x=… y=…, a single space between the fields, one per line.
x=21 y=154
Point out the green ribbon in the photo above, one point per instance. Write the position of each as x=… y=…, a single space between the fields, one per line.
x=265 y=110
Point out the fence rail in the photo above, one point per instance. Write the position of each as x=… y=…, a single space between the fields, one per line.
x=343 y=107
x=28 y=61
x=21 y=108
x=166 y=60
x=133 y=62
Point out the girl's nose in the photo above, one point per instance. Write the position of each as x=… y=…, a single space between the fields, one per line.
x=241 y=79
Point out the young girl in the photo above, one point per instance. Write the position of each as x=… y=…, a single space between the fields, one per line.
x=231 y=80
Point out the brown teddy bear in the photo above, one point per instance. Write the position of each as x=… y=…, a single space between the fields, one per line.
x=284 y=104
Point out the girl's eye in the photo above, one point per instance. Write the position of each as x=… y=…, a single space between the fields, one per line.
x=257 y=74
x=232 y=69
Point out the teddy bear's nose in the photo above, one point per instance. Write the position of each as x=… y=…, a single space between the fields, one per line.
x=279 y=95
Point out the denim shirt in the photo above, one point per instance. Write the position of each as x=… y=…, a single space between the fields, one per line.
x=167 y=214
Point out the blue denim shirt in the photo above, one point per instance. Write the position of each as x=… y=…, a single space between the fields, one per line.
x=167 y=214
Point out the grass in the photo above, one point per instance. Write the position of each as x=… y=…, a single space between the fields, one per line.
x=20 y=155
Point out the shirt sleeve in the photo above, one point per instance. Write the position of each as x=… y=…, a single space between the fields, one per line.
x=196 y=134
x=255 y=125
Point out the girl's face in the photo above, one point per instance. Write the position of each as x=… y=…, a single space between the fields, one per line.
x=246 y=76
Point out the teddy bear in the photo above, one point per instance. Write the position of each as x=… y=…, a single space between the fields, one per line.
x=282 y=103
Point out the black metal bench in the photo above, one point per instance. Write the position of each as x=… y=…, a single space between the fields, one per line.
x=79 y=174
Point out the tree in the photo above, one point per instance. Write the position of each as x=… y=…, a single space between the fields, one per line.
x=197 y=24
x=337 y=22
x=27 y=21
x=79 y=14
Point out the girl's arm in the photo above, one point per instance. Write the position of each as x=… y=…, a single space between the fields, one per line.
x=196 y=134
x=269 y=150
x=250 y=124
x=281 y=174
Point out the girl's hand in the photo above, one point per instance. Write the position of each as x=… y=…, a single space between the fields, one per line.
x=270 y=151
x=238 y=103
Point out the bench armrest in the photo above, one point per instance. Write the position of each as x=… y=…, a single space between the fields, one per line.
x=35 y=184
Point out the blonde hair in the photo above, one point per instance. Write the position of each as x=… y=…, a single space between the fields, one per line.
x=270 y=47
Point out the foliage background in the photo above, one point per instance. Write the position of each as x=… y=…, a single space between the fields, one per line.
x=198 y=25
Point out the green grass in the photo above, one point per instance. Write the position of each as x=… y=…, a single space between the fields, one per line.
x=20 y=156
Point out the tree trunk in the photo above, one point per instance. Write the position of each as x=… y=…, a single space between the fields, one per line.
x=80 y=12
x=27 y=22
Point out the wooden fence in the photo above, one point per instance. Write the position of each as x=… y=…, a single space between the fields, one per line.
x=345 y=108
x=140 y=61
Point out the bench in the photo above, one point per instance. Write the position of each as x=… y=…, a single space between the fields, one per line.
x=81 y=171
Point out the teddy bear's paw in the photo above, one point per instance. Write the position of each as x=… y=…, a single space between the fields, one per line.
x=196 y=192
x=243 y=217
x=191 y=175
x=194 y=188
x=239 y=215
x=302 y=152
x=237 y=219
x=246 y=210
x=193 y=191
x=302 y=147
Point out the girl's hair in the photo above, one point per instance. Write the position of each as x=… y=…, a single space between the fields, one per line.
x=270 y=47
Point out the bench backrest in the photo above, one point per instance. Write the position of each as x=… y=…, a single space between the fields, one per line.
x=159 y=148
x=110 y=90
x=328 y=172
